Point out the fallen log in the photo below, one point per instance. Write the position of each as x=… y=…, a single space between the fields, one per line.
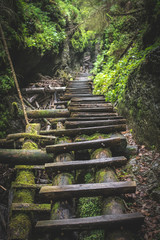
x=24 y=157
x=48 y=113
x=44 y=90
x=30 y=136
x=92 y=114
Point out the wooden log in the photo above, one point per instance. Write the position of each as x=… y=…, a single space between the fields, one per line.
x=110 y=142
x=30 y=207
x=91 y=109
x=27 y=186
x=24 y=157
x=74 y=124
x=88 y=190
x=89 y=130
x=4 y=143
x=43 y=90
x=73 y=165
x=48 y=113
x=30 y=136
x=30 y=167
x=104 y=221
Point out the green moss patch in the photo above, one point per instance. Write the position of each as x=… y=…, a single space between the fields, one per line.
x=30 y=145
x=101 y=153
x=23 y=196
x=25 y=177
x=20 y=226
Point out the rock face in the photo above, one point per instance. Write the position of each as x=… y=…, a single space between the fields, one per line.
x=142 y=100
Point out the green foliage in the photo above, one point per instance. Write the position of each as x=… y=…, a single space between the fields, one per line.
x=82 y=38
x=113 y=68
x=6 y=83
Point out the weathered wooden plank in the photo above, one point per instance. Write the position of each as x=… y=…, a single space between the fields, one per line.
x=92 y=118
x=109 y=142
x=89 y=130
x=88 y=190
x=92 y=98
x=48 y=113
x=30 y=207
x=43 y=90
x=30 y=167
x=24 y=157
x=89 y=105
x=99 y=222
x=68 y=97
x=74 y=124
x=72 y=165
x=91 y=109
x=92 y=114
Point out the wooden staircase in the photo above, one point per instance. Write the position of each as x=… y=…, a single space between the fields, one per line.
x=86 y=116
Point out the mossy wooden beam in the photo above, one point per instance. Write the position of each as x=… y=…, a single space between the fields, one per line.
x=24 y=157
x=85 y=99
x=48 y=113
x=43 y=90
x=27 y=207
x=16 y=136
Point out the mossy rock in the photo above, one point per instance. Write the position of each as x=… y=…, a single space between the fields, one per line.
x=63 y=179
x=30 y=145
x=23 y=196
x=94 y=136
x=25 y=177
x=113 y=206
x=101 y=153
x=106 y=175
x=20 y=226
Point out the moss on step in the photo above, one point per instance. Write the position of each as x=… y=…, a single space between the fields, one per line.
x=33 y=128
x=30 y=145
x=23 y=196
x=63 y=140
x=25 y=177
x=20 y=226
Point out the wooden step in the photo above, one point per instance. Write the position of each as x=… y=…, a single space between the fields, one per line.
x=88 y=190
x=76 y=146
x=89 y=130
x=89 y=105
x=92 y=114
x=48 y=113
x=93 y=118
x=93 y=98
x=24 y=157
x=99 y=222
x=85 y=164
x=91 y=109
x=68 y=97
x=74 y=124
